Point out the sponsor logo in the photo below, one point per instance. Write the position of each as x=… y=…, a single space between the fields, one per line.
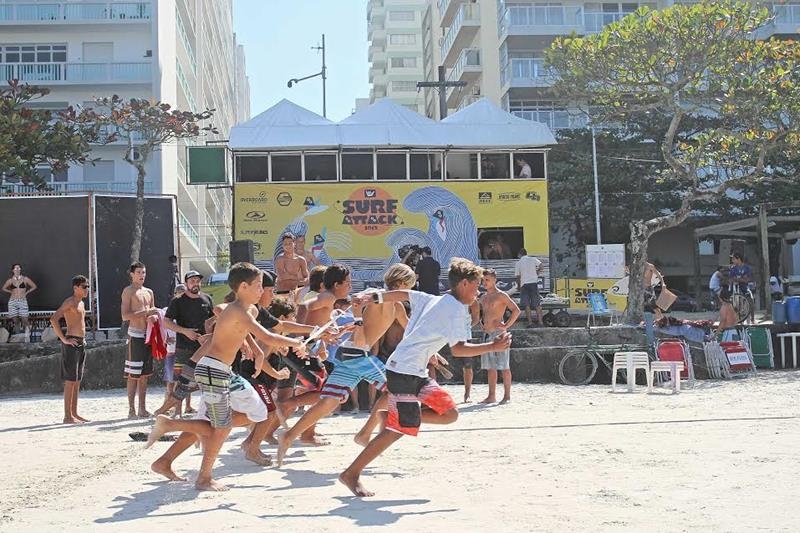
x=284 y=199
x=370 y=211
x=484 y=197
x=260 y=199
x=255 y=232
x=256 y=246
x=532 y=196
x=509 y=196
x=255 y=215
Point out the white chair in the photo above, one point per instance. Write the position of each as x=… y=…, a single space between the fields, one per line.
x=630 y=362
x=673 y=367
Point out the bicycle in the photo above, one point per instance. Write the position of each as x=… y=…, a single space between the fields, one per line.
x=742 y=302
x=579 y=365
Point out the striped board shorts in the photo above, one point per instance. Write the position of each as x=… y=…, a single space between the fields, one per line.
x=352 y=366
x=139 y=360
x=18 y=307
x=214 y=379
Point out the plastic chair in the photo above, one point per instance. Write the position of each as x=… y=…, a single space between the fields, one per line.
x=676 y=350
x=673 y=367
x=598 y=306
x=630 y=362
x=759 y=341
x=738 y=358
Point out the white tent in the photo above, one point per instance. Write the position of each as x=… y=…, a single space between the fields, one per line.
x=484 y=125
x=386 y=124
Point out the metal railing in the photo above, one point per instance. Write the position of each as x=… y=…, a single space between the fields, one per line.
x=553 y=16
x=188 y=230
x=69 y=187
x=74 y=12
x=554 y=118
x=469 y=57
x=76 y=72
x=786 y=13
x=466 y=13
x=594 y=22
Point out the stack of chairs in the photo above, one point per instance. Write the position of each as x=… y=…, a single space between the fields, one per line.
x=759 y=341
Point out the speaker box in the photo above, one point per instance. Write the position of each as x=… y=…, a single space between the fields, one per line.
x=241 y=251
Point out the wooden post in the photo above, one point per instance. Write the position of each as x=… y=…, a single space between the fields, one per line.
x=763 y=240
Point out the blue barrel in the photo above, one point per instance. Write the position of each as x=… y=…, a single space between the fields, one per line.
x=793 y=310
x=779 y=312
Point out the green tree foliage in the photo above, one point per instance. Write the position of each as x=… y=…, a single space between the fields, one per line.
x=695 y=66
x=144 y=126
x=31 y=137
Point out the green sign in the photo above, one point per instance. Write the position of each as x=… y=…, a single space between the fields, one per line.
x=207 y=165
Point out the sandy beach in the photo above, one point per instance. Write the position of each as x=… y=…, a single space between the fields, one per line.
x=718 y=457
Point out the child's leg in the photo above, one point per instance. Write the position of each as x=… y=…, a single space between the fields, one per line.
x=69 y=418
x=188 y=409
x=376 y=416
x=322 y=408
x=132 y=386
x=75 y=392
x=142 y=390
x=506 y=386
x=164 y=424
x=351 y=476
x=492 y=379
x=211 y=447
x=468 y=376
x=163 y=465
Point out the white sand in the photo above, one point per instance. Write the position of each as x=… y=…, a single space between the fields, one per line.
x=720 y=457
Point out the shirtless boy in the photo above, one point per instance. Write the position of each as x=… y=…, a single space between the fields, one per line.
x=435 y=321
x=467 y=371
x=73 y=346
x=317 y=312
x=138 y=305
x=495 y=303
x=291 y=268
x=353 y=360
x=213 y=372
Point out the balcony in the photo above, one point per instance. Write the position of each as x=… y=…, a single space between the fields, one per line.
x=541 y=20
x=787 y=19
x=17 y=13
x=465 y=26
x=468 y=100
x=555 y=119
x=375 y=27
x=526 y=72
x=467 y=68
x=375 y=10
x=594 y=22
x=77 y=73
x=188 y=230
x=448 y=10
x=59 y=188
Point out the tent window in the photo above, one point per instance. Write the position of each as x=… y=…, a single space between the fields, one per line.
x=252 y=168
x=462 y=166
x=391 y=166
x=534 y=160
x=426 y=166
x=357 y=166
x=320 y=167
x=286 y=168
x=495 y=167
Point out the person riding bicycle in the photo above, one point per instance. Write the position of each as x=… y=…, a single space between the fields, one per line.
x=741 y=274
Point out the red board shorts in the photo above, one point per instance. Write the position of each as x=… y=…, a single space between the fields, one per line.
x=406 y=393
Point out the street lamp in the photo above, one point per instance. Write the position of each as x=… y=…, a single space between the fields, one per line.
x=322 y=73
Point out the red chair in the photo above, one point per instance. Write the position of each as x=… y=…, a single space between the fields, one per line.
x=739 y=357
x=676 y=350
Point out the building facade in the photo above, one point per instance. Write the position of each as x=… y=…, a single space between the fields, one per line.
x=182 y=52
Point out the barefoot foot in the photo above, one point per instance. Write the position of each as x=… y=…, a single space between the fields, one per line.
x=132 y=414
x=258 y=458
x=505 y=400
x=159 y=428
x=143 y=413
x=355 y=486
x=164 y=467
x=314 y=440
x=69 y=420
x=283 y=447
x=209 y=484
x=489 y=399
x=270 y=439
x=79 y=418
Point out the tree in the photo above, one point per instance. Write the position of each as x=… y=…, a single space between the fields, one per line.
x=31 y=137
x=144 y=126
x=729 y=101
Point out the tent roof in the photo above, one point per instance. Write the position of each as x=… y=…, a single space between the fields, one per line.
x=387 y=124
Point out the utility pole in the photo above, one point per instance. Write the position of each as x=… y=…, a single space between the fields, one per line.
x=323 y=73
x=441 y=85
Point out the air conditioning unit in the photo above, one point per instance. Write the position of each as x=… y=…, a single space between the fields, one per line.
x=135 y=155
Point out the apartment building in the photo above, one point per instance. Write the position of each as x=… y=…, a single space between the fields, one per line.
x=497 y=48
x=394 y=29
x=182 y=52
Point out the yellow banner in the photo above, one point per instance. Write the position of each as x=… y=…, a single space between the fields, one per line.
x=578 y=291
x=489 y=219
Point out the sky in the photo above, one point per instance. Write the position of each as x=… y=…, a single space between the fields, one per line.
x=278 y=35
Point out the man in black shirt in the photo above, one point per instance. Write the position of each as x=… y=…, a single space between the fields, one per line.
x=428 y=271
x=187 y=317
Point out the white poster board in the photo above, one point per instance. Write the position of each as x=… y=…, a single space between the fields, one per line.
x=605 y=261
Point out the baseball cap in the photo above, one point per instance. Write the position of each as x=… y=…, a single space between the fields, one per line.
x=192 y=274
x=180 y=287
x=268 y=279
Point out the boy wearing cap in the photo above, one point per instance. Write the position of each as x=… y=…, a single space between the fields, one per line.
x=186 y=316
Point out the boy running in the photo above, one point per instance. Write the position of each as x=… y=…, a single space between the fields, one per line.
x=73 y=346
x=435 y=321
x=214 y=376
x=495 y=303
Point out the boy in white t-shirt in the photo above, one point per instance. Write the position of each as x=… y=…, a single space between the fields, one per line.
x=435 y=320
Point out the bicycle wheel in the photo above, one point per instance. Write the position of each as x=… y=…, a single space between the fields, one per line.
x=577 y=367
x=742 y=305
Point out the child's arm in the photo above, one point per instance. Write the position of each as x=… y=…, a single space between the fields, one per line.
x=54 y=321
x=273 y=339
x=469 y=349
x=271 y=371
x=515 y=312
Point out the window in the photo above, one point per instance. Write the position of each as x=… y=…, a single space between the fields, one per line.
x=426 y=166
x=49 y=175
x=541 y=111
x=404 y=62
x=320 y=167
x=462 y=166
x=252 y=168
x=403 y=86
x=357 y=166
x=100 y=171
x=403 y=38
x=532 y=162
x=401 y=15
x=286 y=167
x=391 y=166
x=30 y=53
x=494 y=166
